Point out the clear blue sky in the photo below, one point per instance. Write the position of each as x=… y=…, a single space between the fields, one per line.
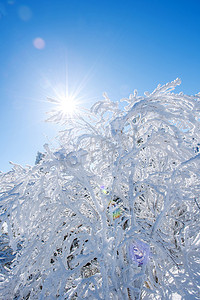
x=113 y=46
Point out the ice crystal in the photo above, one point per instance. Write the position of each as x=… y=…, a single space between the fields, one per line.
x=58 y=240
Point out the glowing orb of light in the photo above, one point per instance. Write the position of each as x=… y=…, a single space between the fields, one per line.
x=139 y=252
x=39 y=43
x=67 y=106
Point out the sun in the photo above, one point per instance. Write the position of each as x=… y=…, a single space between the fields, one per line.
x=67 y=106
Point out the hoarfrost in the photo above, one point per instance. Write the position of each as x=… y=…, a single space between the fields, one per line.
x=59 y=238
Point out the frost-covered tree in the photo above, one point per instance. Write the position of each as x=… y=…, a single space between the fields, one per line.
x=114 y=212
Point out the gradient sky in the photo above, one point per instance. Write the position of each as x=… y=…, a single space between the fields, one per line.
x=113 y=46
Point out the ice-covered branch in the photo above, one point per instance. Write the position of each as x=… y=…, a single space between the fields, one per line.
x=113 y=213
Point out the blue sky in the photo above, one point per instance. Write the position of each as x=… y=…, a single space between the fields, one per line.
x=113 y=46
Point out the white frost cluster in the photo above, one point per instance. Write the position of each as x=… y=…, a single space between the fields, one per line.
x=58 y=238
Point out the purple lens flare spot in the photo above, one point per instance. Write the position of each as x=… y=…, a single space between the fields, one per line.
x=139 y=252
x=39 y=43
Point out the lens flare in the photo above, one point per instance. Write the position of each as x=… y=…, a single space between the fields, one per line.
x=39 y=43
x=115 y=211
x=139 y=252
x=104 y=190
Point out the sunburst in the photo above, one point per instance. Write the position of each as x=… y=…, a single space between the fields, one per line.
x=67 y=105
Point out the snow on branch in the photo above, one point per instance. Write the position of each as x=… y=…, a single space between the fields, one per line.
x=114 y=212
